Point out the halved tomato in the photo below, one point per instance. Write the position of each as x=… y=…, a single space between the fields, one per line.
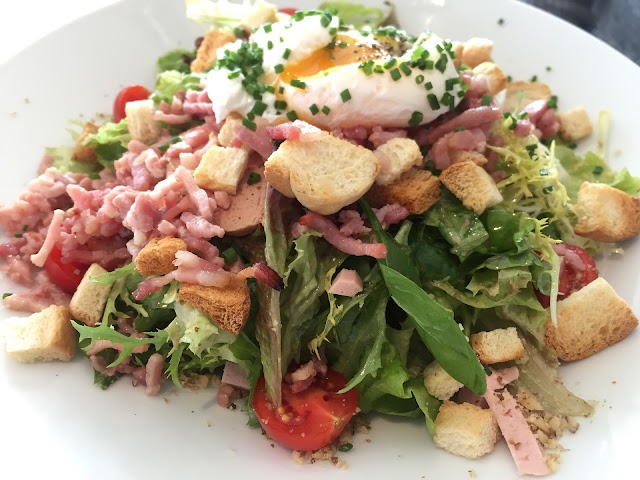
x=126 y=95
x=67 y=276
x=310 y=419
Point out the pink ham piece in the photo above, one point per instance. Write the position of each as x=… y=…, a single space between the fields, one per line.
x=472 y=118
x=52 y=234
x=235 y=376
x=522 y=444
x=153 y=374
x=343 y=243
x=347 y=283
x=391 y=214
x=297 y=130
x=352 y=223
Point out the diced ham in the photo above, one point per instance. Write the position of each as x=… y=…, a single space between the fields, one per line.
x=472 y=118
x=153 y=374
x=235 y=376
x=199 y=227
x=152 y=284
x=298 y=230
x=297 y=130
x=347 y=283
x=225 y=395
x=465 y=140
x=391 y=214
x=197 y=195
x=52 y=235
x=523 y=446
x=352 y=223
x=343 y=243
x=379 y=136
x=258 y=141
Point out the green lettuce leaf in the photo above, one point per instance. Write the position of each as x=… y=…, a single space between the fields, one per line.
x=176 y=60
x=63 y=162
x=356 y=14
x=110 y=141
x=170 y=82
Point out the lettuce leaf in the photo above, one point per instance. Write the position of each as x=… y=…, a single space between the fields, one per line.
x=356 y=14
x=63 y=162
x=170 y=82
x=176 y=60
x=110 y=141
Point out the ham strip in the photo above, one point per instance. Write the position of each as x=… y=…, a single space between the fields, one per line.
x=49 y=242
x=523 y=446
x=343 y=243
x=472 y=118
x=153 y=374
x=347 y=283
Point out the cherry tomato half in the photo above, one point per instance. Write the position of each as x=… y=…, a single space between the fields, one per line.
x=126 y=95
x=576 y=270
x=310 y=419
x=288 y=10
x=67 y=276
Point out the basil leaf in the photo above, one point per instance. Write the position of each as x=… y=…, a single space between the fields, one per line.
x=437 y=329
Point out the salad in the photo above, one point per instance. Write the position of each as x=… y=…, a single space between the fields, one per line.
x=339 y=218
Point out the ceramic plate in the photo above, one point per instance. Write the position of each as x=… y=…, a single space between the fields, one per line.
x=55 y=423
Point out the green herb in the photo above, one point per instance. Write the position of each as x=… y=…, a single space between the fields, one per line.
x=178 y=60
x=486 y=99
x=249 y=124
x=395 y=74
x=6 y=294
x=391 y=63
x=292 y=116
x=239 y=32
x=553 y=101
x=298 y=84
x=253 y=178
x=267 y=27
x=229 y=256
x=405 y=68
x=326 y=110
x=259 y=108
x=280 y=105
x=270 y=45
x=534 y=78
x=416 y=119
x=345 y=95
x=279 y=68
x=428 y=86
x=419 y=79
x=164 y=147
x=501 y=21
x=548 y=69
x=433 y=101
x=597 y=170
x=345 y=447
x=441 y=64
x=286 y=53
x=314 y=109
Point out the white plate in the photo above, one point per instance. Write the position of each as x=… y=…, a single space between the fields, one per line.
x=56 y=424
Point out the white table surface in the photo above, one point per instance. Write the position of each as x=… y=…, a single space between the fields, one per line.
x=27 y=21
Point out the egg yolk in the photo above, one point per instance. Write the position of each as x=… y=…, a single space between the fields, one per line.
x=344 y=51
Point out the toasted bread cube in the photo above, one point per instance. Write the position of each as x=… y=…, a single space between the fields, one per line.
x=606 y=214
x=260 y=13
x=472 y=185
x=157 y=256
x=324 y=175
x=221 y=168
x=228 y=131
x=590 y=320
x=85 y=153
x=496 y=78
x=397 y=156
x=465 y=430
x=90 y=298
x=521 y=94
x=575 y=124
x=457 y=48
x=416 y=190
x=497 y=346
x=140 y=122
x=439 y=383
x=464 y=155
x=476 y=51
x=228 y=306
x=42 y=337
x=207 y=51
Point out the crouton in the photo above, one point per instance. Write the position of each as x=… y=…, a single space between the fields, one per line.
x=457 y=48
x=575 y=124
x=246 y=211
x=324 y=175
x=85 y=153
x=496 y=346
x=521 y=94
x=207 y=51
x=496 y=78
x=221 y=168
x=606 y=214
x=464 y=155
x=465 y=429
x=590 y=320
x=157 y=256
x=476 y=51
x=140 y=122
x=228 y=307
x=439 y=383
x=472 y=185
x=397 y=156
x=416 y=190
x=228 y=131
x=90 y=298
x=260 y=13
x=42 y=337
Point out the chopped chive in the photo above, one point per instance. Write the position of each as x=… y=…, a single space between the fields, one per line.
x=553 y=101
x=345 y=95
x=164 y=147
x=234 y=74
x=509 y=78
x=395 y=74
x=531 y=149
x=280 y=104
x=534 y=78
x=428 y=85
x=6 y=294
x=333 y=31
x=249 y=124
x=378 y=69
x=547 y=189
x=279 y=68
x=268 y=27
x=390 y=63
x=270 y=45
x=433 y=101
x=486 y=100
x=25 y=227
x=460 y=94
x=405 y=68
x=416 y=119
x=548 y=68
x=281 y=90
x=175 y=140
x=325 y=20
x=230 y=255
x=597 y=170
x=298 y=84
x=314 y=109
x=326 y=110
x=345 y=447
x=439 y=48
x=286 y=54
x=271 y=89
x=18 y=235
x=253 y=178
x=419 y=79
x=239 y=32
x=501 y=21
x=428 y=65
x=292 y=116
x=441 y=64
x=459 y=129
x=259 y=108
x=572 y=145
